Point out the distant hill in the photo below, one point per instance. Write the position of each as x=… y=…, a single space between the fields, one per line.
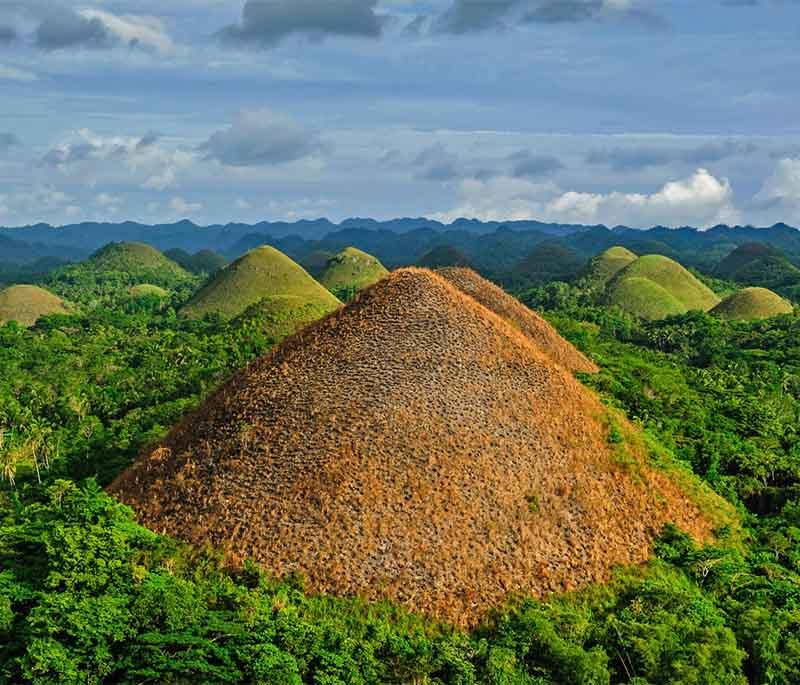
x=608 y=264
x=351 y=270
x=654 y=287
x=261 y=273
x=443 y=256
x=315 y=262
x=204 y=262
x=26 y=304
x=757 y=264
x=148 y=290
x=114 y=269
x=547 y=262
x=416 y=447
x=751 y=304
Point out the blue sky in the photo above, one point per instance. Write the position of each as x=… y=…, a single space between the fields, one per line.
x=640 y=112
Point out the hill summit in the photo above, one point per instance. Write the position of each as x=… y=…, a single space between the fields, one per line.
x=541 y=333
x=413 y=446
x=752 y=303
x=134 y=258
x=351 y=270
x=655 y=287
x=26 y=304
x=608 y=264
x=262 y=273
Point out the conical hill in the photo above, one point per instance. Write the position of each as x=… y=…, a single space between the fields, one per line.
x=750 y=304
x=351 y=270
x=413 y=446
x=541 y=333
x=261 y=273
x=26 y=304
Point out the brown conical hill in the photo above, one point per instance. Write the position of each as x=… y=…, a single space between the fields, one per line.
x=543 y=335
x=412 y=446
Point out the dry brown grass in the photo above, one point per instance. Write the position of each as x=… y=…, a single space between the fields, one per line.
x=541 y=333
x=393 y=450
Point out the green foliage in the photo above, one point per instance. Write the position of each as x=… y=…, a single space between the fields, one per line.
x=349 y=271
x=112 y=271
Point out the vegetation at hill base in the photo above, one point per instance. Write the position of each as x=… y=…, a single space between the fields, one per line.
x=112 y=271
x=89 y=596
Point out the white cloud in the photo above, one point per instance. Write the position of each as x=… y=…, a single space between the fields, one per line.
x=133 y=30
x=700 y=200
x=180 y=206
x=779 y=197
x=106 y=200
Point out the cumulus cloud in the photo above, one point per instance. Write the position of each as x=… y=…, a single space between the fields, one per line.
x=528 y=165
x=262 y=137
x=266 y=22
x=779 y=196
x=61 y=27
x=700 y=200
x=181 y=207
x=466 y=16
x=437 y=163
x=637 y=158
x=158 y=164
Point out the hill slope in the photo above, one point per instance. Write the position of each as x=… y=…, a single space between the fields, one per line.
x=133 y=258
x=760 y=265
x=608 y=264
x=351 y=270
x=414 y=446
x=752 y=303
x=541 y=333
x=547 y=262
x=443 y=256
x=262 y=272
x=26 y=304
x=655 y=286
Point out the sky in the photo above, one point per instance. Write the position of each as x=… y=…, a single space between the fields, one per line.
x=635 y=112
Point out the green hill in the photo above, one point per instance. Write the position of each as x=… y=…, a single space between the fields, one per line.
x=203 y=262
x=677 y=291
x=261 y=273
x=548 y=262
x=315 y=262
x=148 y=290
x=608 y=264
x=351 y=270
x=752 y=303
x=133 y=258
x=26 y=304
x=113 y=270
x=280 y=316
x=756 y=264
x=442 y=256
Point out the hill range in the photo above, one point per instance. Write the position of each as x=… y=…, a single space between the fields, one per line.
x=415 y=446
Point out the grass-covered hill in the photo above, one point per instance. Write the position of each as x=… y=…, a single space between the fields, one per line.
x=262 y=273
x=608 y=264
x=114 y=269
x=443 y=256
x=26 y=304
x=204 y=262
x=761 y=265
x=548 y=261
x=391 y=453
x=752 y=303
x=148 y=290
x=351 y=270
x=655 y=286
